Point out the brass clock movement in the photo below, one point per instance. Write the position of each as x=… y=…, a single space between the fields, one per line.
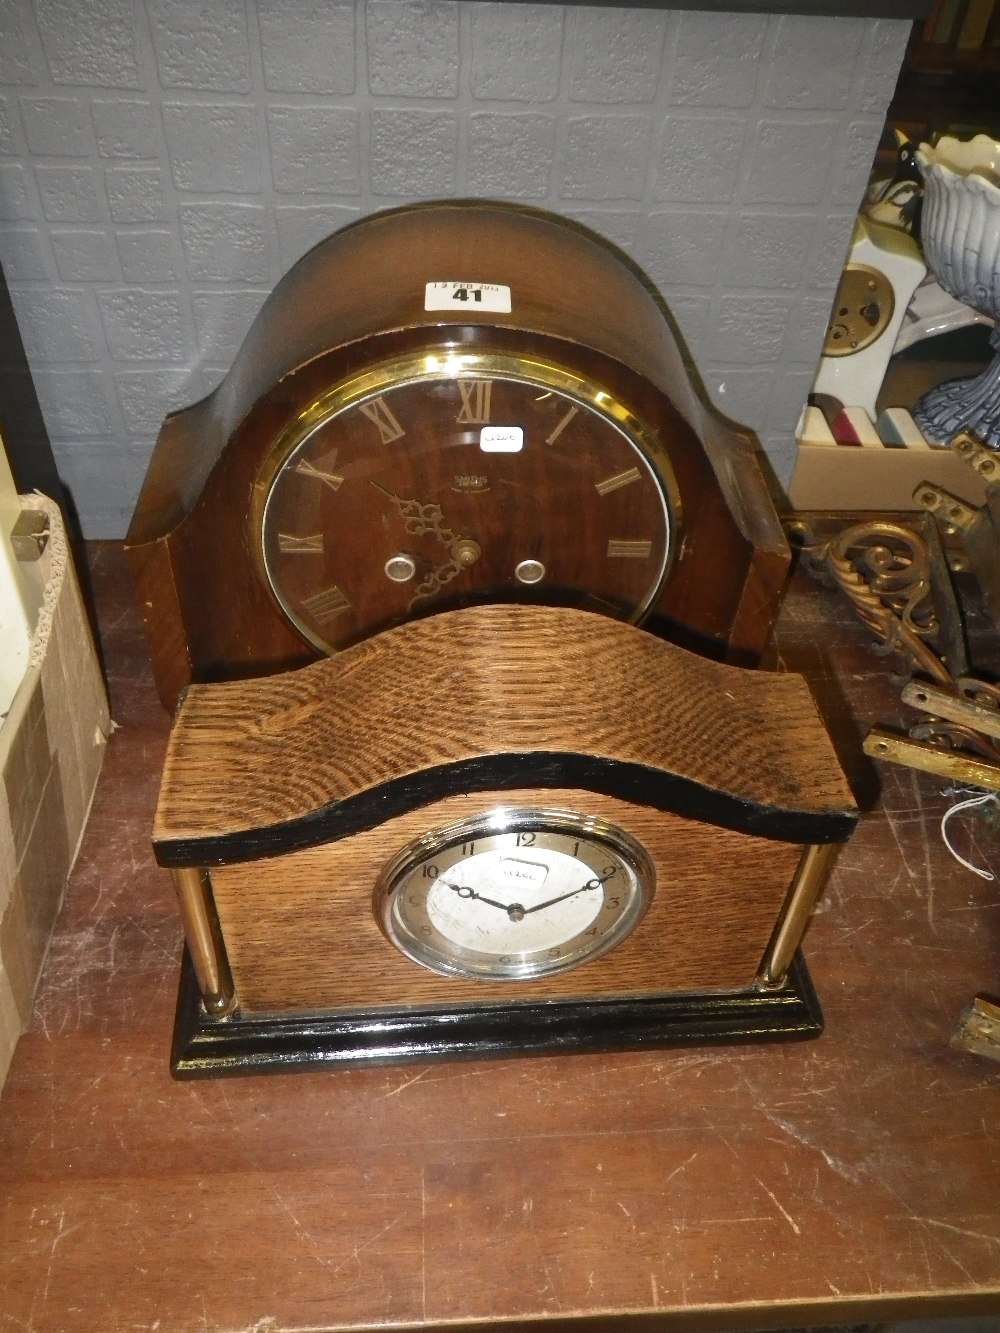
x=441 y=407
x=430 y=789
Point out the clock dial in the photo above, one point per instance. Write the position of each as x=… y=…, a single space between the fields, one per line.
x=514 y=894
x=443 y=479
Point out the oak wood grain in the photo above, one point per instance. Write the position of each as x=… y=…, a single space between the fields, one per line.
x=301 y=933
x=443 y=701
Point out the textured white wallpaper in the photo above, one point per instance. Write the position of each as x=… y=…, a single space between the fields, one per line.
x=163 y=162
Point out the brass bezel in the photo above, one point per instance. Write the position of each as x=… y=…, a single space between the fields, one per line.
x=447 y=363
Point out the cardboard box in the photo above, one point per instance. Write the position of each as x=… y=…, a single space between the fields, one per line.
x=52 y=741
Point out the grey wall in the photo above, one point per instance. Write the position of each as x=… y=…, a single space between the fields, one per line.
x=162 y=162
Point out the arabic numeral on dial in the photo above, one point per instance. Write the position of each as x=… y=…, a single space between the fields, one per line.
x=468 y=848
x=612 y=902
x=526 y=839
x=609 y=872
x=430 y=872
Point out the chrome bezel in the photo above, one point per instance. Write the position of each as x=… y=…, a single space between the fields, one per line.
x=450 y=959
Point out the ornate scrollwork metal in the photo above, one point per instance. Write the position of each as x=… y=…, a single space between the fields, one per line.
x=884 y=569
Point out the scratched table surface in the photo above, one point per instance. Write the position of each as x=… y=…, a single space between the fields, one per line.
x=852 y=1177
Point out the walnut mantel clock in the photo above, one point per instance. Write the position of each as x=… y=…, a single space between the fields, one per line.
x=439 y=407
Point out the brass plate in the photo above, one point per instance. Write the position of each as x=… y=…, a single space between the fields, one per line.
x=862 y=310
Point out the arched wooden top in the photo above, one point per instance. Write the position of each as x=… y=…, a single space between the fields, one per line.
x=486 y=699
x=369 y=278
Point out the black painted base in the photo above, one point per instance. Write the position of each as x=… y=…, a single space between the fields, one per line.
x=209 y=1047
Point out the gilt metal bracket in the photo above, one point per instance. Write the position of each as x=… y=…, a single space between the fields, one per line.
x=897 y=580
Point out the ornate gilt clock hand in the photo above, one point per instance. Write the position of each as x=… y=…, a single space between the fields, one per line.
x=435 y=581
x=420 y=518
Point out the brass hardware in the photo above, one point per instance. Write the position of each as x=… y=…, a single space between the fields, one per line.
x=862 y=310
x=978 y=1029
x=931 y=699
x=204 y=939
x=985 y=461
x=803 y=894
x=898 y=584
x=977 y=530
x=957 y=767
x=885 y=570
x=29 y=535
x=955 y=514
x=466 y=551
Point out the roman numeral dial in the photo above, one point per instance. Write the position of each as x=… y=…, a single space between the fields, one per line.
x=291 y=544
x=476 y=398
x=384 y=420
x=615 y=483
x=563 y=423
x=326 y=605
x=463 y=478
x=321 y=469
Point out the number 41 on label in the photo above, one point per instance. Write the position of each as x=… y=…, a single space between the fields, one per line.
x=467 y=296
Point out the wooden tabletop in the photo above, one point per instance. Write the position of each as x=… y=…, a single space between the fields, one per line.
x=855 y=1176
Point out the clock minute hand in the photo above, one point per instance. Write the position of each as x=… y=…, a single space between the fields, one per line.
x=420 y=518
x=550 y=902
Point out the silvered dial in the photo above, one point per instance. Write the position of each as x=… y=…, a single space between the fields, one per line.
x=514 y=894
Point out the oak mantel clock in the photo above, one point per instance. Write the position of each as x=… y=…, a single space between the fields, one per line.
x=446 y=406
x=502 y=829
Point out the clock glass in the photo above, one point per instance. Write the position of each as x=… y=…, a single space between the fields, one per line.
x=446 y=478
x=516 y=893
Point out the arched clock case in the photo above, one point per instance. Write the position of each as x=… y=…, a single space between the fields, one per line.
x=443 y=406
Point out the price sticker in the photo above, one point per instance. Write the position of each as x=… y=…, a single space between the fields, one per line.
x=501 y=439
x=467 y=296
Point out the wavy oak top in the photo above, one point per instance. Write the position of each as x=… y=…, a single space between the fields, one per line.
x=489 y=698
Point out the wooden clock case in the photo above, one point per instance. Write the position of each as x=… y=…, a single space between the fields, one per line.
x=358 y=298
x=284 y=797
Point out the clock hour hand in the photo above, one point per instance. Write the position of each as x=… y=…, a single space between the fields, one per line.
x=514 y=910
x=419 y=519
x=435 y=581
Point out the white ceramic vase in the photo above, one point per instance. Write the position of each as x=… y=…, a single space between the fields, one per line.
x=960 y=234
